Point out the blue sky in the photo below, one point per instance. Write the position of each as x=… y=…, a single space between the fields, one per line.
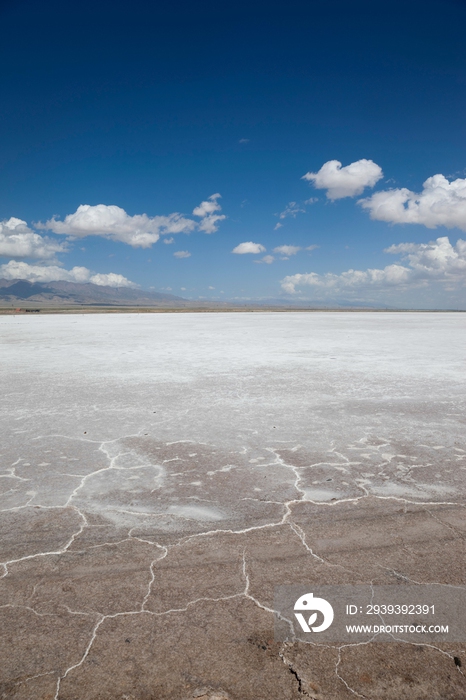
x=142 y=111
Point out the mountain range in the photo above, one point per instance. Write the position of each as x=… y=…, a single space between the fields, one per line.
x=21 y=293
x=16 y=292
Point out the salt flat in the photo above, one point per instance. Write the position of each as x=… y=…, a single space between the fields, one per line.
x=161 y=473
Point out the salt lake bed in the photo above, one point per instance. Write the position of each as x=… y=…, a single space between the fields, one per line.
x=162 y=474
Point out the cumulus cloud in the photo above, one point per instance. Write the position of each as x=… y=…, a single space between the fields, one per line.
x=208 y=207
x=140 y=230
x=391 y=275
x=437 y=261
x=287 y=249
x=441 y=203
x=110 y=221
x=436 y=258
x=52 y=273
x=346 y=181
x=209 y=224
x=111 y=279
x=248 y=247
x=18 y=241
x=168 y=241
x=207 y=211
x=267 y=260
x=277 y=226
x=182 y=254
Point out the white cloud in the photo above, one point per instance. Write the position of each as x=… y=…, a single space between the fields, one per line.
x=436 y=258
x=182 y=254
x=208 y=207
x=437 y=261
x=312 y=247
x=206 y=210
x=267 y=259
x=392 y=274
x=244 y=141
x=209 y=223
x=292 y=209
x=248 y=247
x=140 y=230
x=287 y=249
x=441 y=203
x=110 y=221
x=345 y=181
x=211 y=287
x=52 y=273
x=168 y=241
x=111 y=279
x=18 y=241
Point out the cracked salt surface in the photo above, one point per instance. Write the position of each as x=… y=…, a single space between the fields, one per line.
x=160 y=474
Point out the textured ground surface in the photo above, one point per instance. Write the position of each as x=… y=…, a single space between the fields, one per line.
x=161 y=474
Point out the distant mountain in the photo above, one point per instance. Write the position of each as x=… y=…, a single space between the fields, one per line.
x=333 y=304
x=71 y=294
x=20 y=293
x=23 y=290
